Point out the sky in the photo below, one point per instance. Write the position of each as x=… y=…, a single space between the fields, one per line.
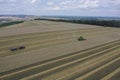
x=109 y=8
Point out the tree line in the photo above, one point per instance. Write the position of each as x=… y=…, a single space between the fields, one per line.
x=105 y=23
x=10 y=23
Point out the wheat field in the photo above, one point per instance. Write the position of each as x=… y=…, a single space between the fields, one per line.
x=53 y=52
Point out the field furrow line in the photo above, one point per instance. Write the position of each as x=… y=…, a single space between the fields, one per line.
x=43 y=34
x=34 y=44
x=85 y=55
x=113 y=74
x=102 y=71
x=81 y=71
x=116 y=76
x=57 y=69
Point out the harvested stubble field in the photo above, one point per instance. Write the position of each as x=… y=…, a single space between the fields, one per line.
x=53 y=52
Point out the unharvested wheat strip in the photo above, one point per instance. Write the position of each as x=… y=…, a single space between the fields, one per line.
x=111 y=74
x=98 y=69
x=55 y=68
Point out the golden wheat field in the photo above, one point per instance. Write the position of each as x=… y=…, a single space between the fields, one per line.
x=53 y=52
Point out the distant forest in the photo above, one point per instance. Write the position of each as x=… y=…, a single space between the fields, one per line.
x=10 y=23
x=105 y=23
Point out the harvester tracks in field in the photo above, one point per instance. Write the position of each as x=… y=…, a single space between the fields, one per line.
x=79 y=65
x=39 y=41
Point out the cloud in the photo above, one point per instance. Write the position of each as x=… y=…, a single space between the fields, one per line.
x=50 y=3
x=73 y=4
x=65 y=2
x=53 y=8
x=33 y=1
x=91 y=4
x=60 y=6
